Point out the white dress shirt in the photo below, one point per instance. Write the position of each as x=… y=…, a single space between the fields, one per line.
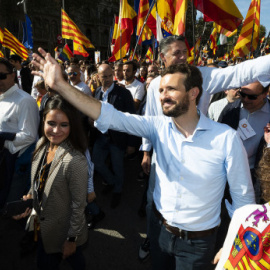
x=214 y=80
x=191 y=173
x=19 y=114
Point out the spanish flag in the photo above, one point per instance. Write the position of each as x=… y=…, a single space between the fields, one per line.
x=9 y=41
x=71 y=31
x=126 y=23
x=149 y=54
x=79 y=49
x=224 y=13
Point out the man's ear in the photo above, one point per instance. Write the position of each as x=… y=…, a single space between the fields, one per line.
x=194 y=92
x=163 y=57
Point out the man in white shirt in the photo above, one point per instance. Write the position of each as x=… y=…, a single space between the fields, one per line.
x=19 y=115
x=195 y=158
x=135 y=87
x=216 y=107
x=74 y=75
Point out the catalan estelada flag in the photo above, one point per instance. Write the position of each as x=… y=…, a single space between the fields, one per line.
x=251 y=24
x=12 y=43
x=223 y=12
x=142 y=12
x=180 y=17
x=79 y=49
x=71 y=31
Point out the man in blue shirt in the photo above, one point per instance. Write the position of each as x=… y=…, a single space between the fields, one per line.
x=195 y=158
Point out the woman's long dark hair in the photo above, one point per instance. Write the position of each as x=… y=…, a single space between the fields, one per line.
x=77 y=137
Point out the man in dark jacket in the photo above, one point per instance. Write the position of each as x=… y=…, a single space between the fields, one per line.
x=24 y=76
x=112 y=142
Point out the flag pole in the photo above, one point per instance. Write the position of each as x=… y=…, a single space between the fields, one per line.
x=120 y=19
x=250 y=48
x=63 y=7
x=193 y=32
x=266 y=40
x=144 y=23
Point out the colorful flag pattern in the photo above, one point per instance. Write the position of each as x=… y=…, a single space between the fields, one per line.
x=71 y=31
x=180 y=17
x=12 y=43
x=224 y=13
x=79 y=49
x=250 y=30
x=142 y=13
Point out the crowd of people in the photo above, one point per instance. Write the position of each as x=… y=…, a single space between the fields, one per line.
x=78 y=117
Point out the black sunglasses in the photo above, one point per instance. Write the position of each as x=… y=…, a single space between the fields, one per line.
x=3 y=76
x=72 y=73
x=251 y=97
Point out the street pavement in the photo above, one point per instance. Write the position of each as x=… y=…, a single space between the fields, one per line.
x=112 y=245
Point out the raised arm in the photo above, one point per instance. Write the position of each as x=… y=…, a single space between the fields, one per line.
x=52 y=75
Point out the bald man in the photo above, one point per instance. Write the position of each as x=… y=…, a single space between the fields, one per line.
x=112 y=142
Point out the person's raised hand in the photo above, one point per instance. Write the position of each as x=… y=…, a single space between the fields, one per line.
x=51 y=70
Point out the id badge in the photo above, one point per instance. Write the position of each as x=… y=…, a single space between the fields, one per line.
x=245 y=130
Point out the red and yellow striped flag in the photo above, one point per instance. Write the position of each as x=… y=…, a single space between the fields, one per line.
x=12 y=43
x=71 y=31
x=213 y=38
x=180 y=17
x=1 y=54
x=251 y=24
x=1 y=35
x=142 y=12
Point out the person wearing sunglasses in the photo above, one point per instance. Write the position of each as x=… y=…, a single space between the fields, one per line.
x=18 y=114
x=74 y=77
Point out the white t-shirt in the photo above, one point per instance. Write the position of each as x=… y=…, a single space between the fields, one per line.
x=136 y=89
x=84 y=88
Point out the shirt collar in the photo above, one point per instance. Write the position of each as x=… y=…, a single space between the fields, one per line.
x=109 y=89
x=9 y=92
x=204 y=123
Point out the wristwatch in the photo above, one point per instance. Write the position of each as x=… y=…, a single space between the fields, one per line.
x=72 y=239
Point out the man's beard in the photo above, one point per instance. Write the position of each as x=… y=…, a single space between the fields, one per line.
x=179 y=109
